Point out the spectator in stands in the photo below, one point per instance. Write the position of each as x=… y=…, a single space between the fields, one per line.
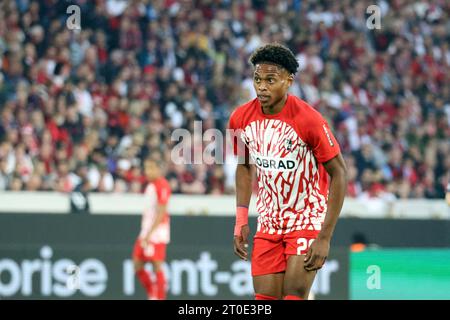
x=111 y=94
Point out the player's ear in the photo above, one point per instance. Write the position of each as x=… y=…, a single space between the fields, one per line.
x=289 y=79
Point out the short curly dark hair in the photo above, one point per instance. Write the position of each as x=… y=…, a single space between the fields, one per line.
x=277 y=54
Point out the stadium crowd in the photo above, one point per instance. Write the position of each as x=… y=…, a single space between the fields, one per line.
x=84 y=107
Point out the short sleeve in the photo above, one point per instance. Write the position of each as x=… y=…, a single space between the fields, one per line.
x=321 y=140
x=234 y=136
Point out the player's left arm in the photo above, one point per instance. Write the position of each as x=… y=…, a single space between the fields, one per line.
x=318 y=253
x=337 y=170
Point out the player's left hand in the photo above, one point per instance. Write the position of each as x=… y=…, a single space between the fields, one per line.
x=317 y=254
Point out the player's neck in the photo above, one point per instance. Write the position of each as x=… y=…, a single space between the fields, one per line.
x=277 y=107
x=154 y=179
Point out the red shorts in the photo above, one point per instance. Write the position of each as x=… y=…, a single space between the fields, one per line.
x=153 y=251
x=271 y=251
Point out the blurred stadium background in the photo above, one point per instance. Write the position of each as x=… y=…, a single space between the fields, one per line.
x=80 y=109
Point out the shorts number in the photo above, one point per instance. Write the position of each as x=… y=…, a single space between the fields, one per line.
x=303 y=244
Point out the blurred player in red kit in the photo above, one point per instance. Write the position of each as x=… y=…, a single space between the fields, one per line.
x=151 y=244
x=294 y=151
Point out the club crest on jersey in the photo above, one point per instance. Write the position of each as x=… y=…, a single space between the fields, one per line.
x=288 y=144
x=275 y=164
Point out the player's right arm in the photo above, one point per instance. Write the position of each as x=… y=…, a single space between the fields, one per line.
x=243 y=187
x=243 y=195
x=147 y=208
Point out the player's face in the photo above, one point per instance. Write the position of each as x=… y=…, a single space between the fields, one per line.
x=271 y=83
x=151 y=170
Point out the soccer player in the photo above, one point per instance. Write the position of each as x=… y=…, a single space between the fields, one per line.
x=294 y=151
x=155 y=232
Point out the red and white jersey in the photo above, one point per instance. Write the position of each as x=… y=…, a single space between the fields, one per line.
x=288 y=150
x=157 y=193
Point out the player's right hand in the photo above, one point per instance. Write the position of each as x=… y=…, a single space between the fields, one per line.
x=241 y=243
x=144 y=242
